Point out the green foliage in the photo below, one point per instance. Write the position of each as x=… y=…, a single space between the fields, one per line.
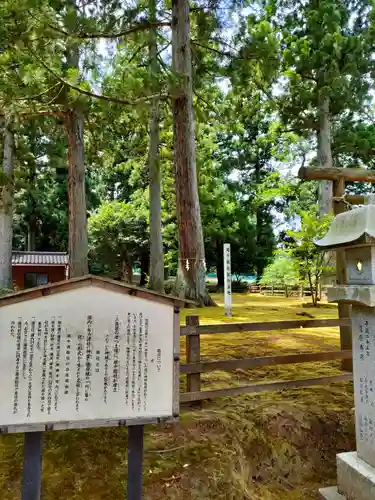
x=118 y=238
x=283 y=271
x=326 y=51
x=282 y=58
x=311 y=261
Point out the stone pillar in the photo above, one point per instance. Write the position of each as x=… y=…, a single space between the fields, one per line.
x=354 y=232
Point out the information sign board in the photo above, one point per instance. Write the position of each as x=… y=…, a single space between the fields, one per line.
x=87 y=356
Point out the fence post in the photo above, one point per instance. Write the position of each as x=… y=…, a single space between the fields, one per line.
x=193 y=355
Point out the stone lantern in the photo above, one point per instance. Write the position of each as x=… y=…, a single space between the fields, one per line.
x=354 y=233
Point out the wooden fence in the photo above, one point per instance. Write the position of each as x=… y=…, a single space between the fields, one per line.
x=288 y=291
x=195 y=366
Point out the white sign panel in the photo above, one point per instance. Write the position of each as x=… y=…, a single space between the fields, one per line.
x=363 y=320
x=86 y=357
x=227 y=280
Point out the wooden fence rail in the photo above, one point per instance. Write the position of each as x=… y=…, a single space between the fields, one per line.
x=194 y=366
x=288 y=291
x=197 y=329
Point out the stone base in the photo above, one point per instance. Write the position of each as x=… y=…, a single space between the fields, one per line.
x=355 y=477
x=331 y=493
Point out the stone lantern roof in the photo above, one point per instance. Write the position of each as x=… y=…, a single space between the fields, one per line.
x=356 y=226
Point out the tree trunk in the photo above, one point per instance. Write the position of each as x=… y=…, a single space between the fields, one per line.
x=325 y=160
x=6 y=210
x=32 y=222
x=145 y=270
x=129 y=273
x=324 y=155
x=191 y=275
x=316 y=292
x=31 y=234
x=312 y=291
x=126 y=271
x=259 y=265
x=156 y=238
x=220 y=265
x=78 y=242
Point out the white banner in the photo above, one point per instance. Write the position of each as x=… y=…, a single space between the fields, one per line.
x=227 y=280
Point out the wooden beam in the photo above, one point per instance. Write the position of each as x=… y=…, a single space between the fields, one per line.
x=344 y=310
x=193 y=355
x=246 y=363
x=335 y=174
x=355 y=199
x=187 y=397
x=264 y=326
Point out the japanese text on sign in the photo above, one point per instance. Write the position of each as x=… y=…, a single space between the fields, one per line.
x=109 y=359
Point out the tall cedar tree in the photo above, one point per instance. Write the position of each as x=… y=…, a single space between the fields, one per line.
x=6 y=208
x=191 y=275
x=326 y=49
x=156 y=238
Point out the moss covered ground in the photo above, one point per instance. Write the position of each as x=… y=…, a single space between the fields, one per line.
x=275 y=446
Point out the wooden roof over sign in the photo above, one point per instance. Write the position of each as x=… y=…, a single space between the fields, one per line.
x=90 y=280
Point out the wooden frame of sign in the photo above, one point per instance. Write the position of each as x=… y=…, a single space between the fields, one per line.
x=88 y=352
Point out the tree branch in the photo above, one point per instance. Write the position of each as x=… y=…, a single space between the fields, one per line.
x=306 y=76
x=32 y=114
x=134 y=29
x=45 y=113
x=31 y=98
x=88 y=93
x=200 y=98
x=220 y=52
x=143 y=46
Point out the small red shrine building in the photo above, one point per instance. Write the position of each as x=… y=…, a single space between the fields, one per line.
x=31 y=269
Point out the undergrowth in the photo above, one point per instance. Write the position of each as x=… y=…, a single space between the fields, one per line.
x=271 y=446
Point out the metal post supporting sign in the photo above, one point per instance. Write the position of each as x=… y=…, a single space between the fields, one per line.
x=135 y=460
x=227 y=281
x=32 y=465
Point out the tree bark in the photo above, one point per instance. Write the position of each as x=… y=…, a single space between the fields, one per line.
x=325 y=193
x=259 y=268
x=32 y=222
x=74 y=123
x=156 y=238
x=324 y=155
x=191 y=275
x=259 y=265
x=6 y=210
x=145 y=270
x=78 y=241
x=129 y=273
x=31 y=234
x=219 y=266
x=311 y=285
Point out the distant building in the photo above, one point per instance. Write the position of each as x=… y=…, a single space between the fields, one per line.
x=31 y=269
